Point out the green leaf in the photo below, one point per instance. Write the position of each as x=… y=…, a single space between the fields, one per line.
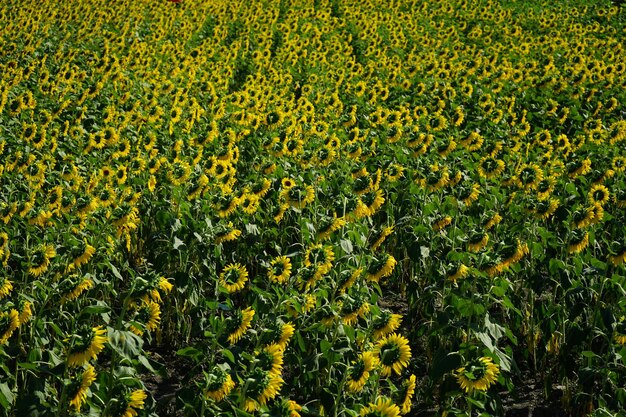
x=228 y=355
x=346 y=245
x=96 y=309
x=116 y=272
x=178 y=243
x=6 y=396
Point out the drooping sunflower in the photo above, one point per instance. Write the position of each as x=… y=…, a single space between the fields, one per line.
x=373 y=200
x=359 y=371
x=279 y=270
x=270 y=358
x=441 y=223
x=40 y=259
x=386 y=323
x=278 y=333
x=9 y=321
x=477 y=241
x=346 y=279
x=383 y=407
x=394 y=353
x=26 y=311
x=233 y=277
x=147 y=314
x=81 y=254
x=619 y=334
x=218 y=384
x=478 y=375
x=321 y=257
x=227 y=234
x=405 y=395
x=238 y=324
x=578 y=242
x=6 y=286
x=79 y=387
x=262 y=387
x=381 y=267
x=328 y=226
x=86 y=346
x=133 y=402
x=352 y=309
x=457 y=272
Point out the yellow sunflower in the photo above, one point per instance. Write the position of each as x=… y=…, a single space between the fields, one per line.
x=8 y=323
x=218 y=385
x=233 y=277
x=385 y=323
x=279 y=270
x=262 y=387
x=394 y=353
x=381 y=267
x=478 y=375
x=238 y=324
x=405 y=395
x=383 y=407
x=78 y=388
x=359 y=371
x=86 y=346
x=41 y=260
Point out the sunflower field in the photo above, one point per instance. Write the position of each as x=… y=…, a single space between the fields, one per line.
x=312 y=208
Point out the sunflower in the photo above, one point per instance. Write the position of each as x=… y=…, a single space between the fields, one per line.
x=457 y=273
x=40 y=260
x=279 y=334
x=477 y=241
x=218 y=384
x=6 y=286
x=441 y=222
x=233 y=277
x=328 y=226
x=86 y=345
x=492 y=221
x=381 y=267
x=286 y=408
x=490 y=167
x=82 y=254
x=373 y=200
x=394 y=353
x=385 y=323
x=8 y=323
x=228 y=233
x=359 y=371
x=262 y=386
x=352 y=309
x=78 y=388
x=380 y=237
x=346 y=279
x=405 y=395
x=468 y=195
x=133 y=402
x=383 y=407
x=279 y=270
x=598 y=194
x=26 y=311
x=270 y=358
x=620 y=331
x=238 y=324
x=478 y=375
x=529 y=176
x=578 y=242
x=299 y=196
x=148 y=314
x=321 y=257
